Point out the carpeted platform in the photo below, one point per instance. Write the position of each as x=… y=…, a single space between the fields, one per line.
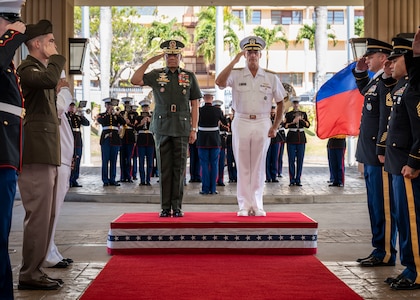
x=217 y=277
x=286 y=233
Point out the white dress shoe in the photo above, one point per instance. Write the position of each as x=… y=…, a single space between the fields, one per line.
x=242 y=213
x=260 y=213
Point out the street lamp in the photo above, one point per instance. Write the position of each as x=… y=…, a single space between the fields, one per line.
x=358 y=47
x=77 y=50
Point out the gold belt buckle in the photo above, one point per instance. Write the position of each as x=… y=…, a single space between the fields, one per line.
x=173 y=107
x=252 y=117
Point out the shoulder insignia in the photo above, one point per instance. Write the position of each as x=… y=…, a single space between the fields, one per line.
x=388 y=99
x=418 y=109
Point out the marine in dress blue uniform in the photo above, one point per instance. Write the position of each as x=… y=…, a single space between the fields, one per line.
x=296 y=121
x=209 y=143
x=145 y=143
x=271 y=164
x=223 y=131
x=128 y=140
x=77 y=120
x=336 y=148
x=230 y=158
x=174 y=122
x=378 y=183
x=11 y=119
x=110 y=140
x=402 y=160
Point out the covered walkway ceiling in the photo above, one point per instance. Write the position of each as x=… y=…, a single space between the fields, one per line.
x=219 y=2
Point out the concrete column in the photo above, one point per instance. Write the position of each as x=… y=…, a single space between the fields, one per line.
x=384 y=19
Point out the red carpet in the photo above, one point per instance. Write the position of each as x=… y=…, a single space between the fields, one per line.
x=217 y=277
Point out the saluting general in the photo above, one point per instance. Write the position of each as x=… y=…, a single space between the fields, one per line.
x=174 y=122
x=253 y=92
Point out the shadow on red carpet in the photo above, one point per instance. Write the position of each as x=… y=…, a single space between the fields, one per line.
x=217 y=277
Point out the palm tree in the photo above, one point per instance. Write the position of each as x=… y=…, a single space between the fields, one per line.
x=205 y=34
x=317 y=35
x=271 y=36
x=159 y=32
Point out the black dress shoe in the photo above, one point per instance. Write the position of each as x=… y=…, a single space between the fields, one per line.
x=44 y=283
x=68 y=260
x=106 y=184
x=134 y=178
x=268 y=180
x=178 y=213
x=220 y=184
x=298 y=184
x=115 y=184
x=214 y=193
x=148 y=184
x=405 y=284
x=336 y=184
x=292 y=184
x=203 y=193
x=60 y=265
x=390 y=280
x=364 y=258
x=76 y=185
x=274 y=180
x=375 y=262
x=165 y=213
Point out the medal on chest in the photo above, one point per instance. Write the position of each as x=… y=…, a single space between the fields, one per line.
x=162 y=81
x=184 y=81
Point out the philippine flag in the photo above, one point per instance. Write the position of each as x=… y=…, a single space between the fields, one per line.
x=339 y=105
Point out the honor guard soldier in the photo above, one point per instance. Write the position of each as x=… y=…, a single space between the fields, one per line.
x=230 y=159
x=378 y=183
x=253 y=92
x=402 y=159
x=39 y=75
x=77 y=119
x=12 y=31
x=111 y=121
x=145 y=142
x=272 y=153
x=296 y=121
x=208 y=143
x=176 y=94
x=223 y=136
x=128 y=140
x=134 y=163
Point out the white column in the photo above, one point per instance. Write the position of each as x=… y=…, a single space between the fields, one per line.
x=219 y=48
x=86 y=154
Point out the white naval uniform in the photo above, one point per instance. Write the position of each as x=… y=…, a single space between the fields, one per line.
x=252 y=100
x=64 y=98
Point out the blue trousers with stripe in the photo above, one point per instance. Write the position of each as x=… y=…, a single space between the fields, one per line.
x=407 y=199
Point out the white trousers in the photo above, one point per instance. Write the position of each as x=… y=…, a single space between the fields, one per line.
x=63 y=183
x=250 y=144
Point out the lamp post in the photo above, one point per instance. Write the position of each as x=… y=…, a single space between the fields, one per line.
x=77 y=50
x=358 y=47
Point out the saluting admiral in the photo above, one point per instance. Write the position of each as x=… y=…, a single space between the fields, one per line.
x=253 y=92
x=174 y=123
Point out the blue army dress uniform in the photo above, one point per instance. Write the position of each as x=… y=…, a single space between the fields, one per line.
x=230 y=159
x=171 y=125
x=128 y=140
x=11 y=122
x=208 y=144
x=378 y=183
x=110 y=142
x=403 y=149
x=145 y=144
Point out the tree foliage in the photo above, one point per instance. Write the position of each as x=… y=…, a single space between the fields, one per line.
x=308 y=32
x=359 y=27
x=271 y=36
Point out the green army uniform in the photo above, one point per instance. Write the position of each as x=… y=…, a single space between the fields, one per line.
x=171 y=125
